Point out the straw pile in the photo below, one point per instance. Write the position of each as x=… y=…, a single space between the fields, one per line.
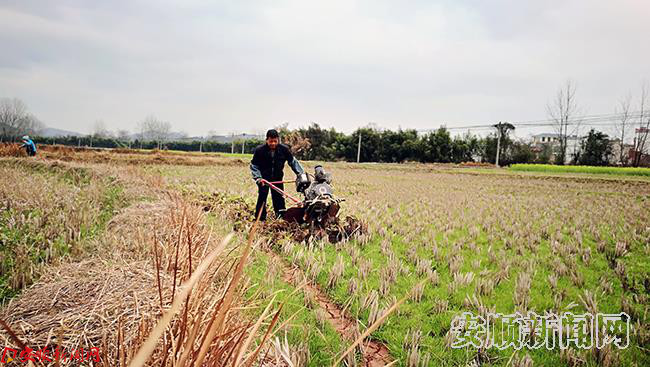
x=84 y=305
x=170 y=300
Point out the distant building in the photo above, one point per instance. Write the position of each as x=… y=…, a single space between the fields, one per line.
x=615 y=158
x=573 y=143
x=546 y=138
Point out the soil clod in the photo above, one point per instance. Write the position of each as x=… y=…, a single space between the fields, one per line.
x=240 y=212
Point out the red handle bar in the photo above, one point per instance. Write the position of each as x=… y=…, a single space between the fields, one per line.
x=284 y=194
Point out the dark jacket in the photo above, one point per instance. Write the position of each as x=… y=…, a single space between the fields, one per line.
x=268 y=167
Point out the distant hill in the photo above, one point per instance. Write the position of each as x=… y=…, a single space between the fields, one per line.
x=50 y=132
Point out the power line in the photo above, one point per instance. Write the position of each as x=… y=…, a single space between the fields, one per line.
x=590 y=120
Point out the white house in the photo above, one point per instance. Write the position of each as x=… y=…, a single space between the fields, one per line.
x=573 y=144
x=546 y=138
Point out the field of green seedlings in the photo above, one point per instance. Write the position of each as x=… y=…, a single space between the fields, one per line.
x=551 y=168
x=481 y=242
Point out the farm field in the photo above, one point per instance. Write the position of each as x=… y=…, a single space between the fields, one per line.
x=548 y=168
x=449 y=240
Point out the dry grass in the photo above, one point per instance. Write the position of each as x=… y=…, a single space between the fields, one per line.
x=12 y=150
x=134 y=157
x=83 y=304
x=47 y=212
x=151 y=269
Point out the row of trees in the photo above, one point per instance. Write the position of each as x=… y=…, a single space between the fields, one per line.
x=149 y=130
x=182 y=145
x=316 y=143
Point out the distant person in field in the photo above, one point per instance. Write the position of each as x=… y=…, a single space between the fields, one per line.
x=29 y=146
x=268 y=164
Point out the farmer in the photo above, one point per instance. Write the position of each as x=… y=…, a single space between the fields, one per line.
x=268 y=163
x=29 y=146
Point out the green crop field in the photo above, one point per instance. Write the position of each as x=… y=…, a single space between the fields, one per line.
x=549 y=168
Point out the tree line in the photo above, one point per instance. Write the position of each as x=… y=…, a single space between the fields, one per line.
x=317 y=143
x=438 y=146
x=93 y=141
x=388 y=146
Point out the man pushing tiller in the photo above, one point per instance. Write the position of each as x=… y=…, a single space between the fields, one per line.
x=268 y=164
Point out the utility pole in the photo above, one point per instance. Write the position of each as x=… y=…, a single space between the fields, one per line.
x=498 y=142
x=359 y=148
x=201 y=146
x=501 y=128
x=232 y=143
x=243 y=143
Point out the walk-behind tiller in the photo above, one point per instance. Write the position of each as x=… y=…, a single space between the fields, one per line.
x=318 y=207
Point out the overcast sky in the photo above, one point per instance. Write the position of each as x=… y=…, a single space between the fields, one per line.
x=243 y=66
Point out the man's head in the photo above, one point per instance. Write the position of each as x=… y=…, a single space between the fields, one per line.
x=272 y=138
x=25 y=138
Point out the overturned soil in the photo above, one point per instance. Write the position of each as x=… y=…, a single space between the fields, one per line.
x=242 y=214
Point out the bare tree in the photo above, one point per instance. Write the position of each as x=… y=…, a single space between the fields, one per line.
x=622 y=127
x=146 y=127
x=644 y=126
x=162 y=131
x=562 y=110
x=142 y=131
x=100 y=130
x=153 y=129
x=16 y=120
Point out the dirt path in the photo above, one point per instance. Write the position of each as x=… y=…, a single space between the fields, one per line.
x=375 y=354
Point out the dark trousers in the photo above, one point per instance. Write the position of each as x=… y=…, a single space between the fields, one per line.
x=276 y=197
